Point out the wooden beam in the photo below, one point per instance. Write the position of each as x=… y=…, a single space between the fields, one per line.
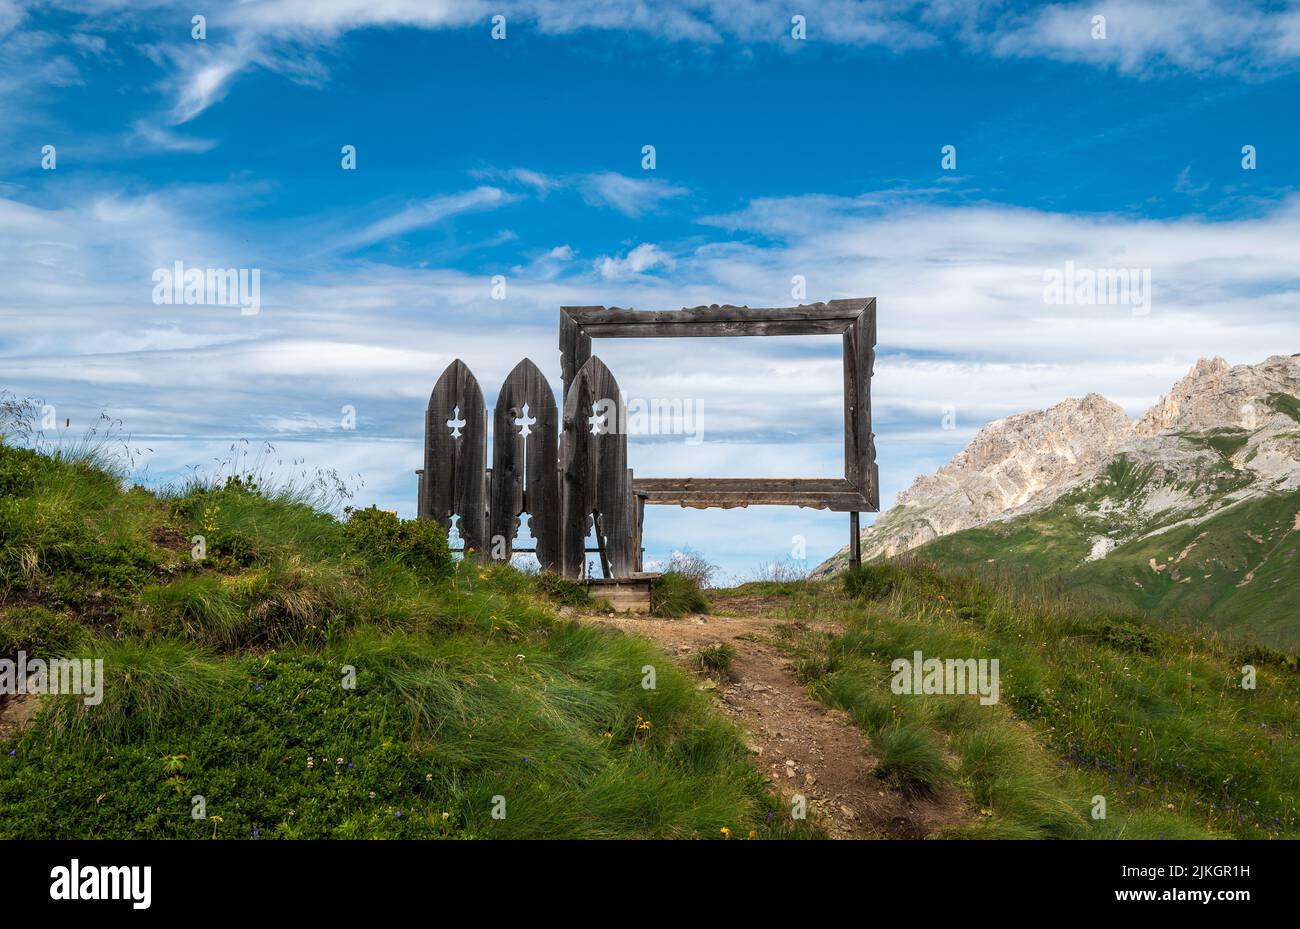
x=855 y=320
x=832 y=493
x=842 y=312
x=855 y=541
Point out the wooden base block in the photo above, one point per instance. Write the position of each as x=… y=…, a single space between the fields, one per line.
x=624 y=594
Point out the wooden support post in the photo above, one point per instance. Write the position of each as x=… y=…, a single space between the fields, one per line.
x=855 y=543
x=598 y=525
x=640 y=532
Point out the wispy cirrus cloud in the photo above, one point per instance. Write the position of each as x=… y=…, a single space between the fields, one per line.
x=11 y=14
x=288 y=37
x=425 y=213
x=32 y=66
x=631 y=196
x=1146 y=37
x=165 y=139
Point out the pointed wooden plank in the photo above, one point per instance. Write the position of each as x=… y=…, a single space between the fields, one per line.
x=595 y=466
x=577 y=478
x=525 y=476
x=455 y=455
x=613 y=490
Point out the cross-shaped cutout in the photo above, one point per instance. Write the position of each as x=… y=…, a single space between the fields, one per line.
x=596 y=421
x=455 y=422
x=524 y=421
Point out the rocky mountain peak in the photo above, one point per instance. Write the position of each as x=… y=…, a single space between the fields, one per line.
x=1007 y=465
x=1023 y=453
x=1215 y=394
x=1025 y=461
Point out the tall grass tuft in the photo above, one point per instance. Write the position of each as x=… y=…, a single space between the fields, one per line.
x=675 y=595
x=147 y=686
x=912 y=757
x=872 y=581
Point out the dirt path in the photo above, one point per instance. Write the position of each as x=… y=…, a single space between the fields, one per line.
x=15 y=712
x=805 y=747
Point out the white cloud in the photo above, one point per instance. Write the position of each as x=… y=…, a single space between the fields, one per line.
x=541 y=183
x=426 y=213
x=165 y=139
x=640 y=259
x=11 y=14
x=631 y=196
x=204 y=84
x=88 y=44
x=962 y=323
x=31 y=65
x=1150 y=36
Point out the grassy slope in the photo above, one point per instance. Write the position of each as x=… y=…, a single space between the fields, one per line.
x=1093 y=703
x=1204 y=588
x=225 y=681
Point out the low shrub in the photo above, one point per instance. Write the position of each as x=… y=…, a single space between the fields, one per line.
x=420 y=544
x=37 y=631
x=1126 y=636
x=19 y=468
x=562 y=590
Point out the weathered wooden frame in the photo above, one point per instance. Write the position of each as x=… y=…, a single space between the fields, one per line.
x=855 y=320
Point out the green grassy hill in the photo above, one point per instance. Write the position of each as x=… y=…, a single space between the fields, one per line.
x=225 y=679
x=228 y=689
x=1231 y=567
x=1094 y=703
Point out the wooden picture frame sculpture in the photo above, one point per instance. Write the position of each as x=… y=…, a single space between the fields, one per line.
x=584 y=484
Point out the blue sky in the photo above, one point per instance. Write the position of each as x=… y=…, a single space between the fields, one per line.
x=522 y=157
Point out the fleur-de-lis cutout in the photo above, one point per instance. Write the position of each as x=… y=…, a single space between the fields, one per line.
x=596 y=421
x=524 y=421
x=455 y=422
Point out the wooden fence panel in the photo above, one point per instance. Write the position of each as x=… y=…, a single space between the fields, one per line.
x=597 y=486
x=455 y=456
x=525 y=469
x=577 y=470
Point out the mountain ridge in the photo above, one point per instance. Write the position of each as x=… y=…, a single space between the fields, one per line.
x=1223 y=436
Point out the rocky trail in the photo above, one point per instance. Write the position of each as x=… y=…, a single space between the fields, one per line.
x=804 y=747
